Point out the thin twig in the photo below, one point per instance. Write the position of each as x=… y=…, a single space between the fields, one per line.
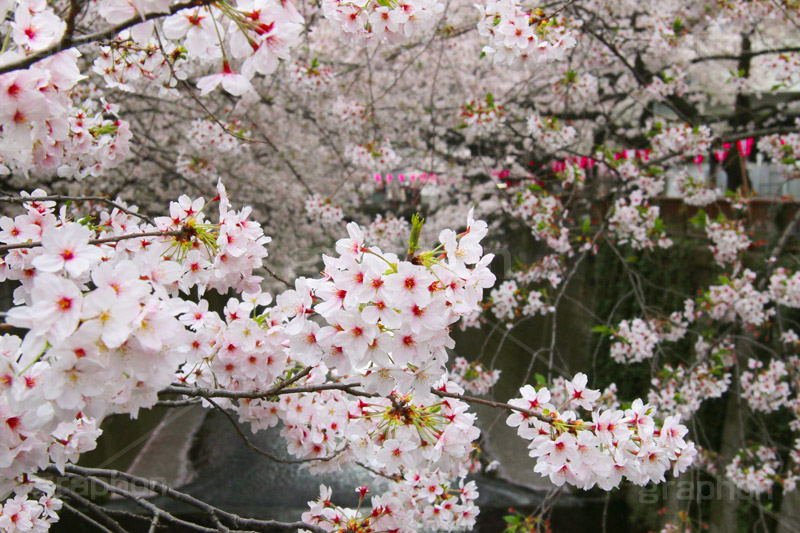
x=109 y=524
x=105 y=240
x=499 y=405
x=61 y=198
x=153 y=524
x=88 y=519
x=263 y=452
x=159 y=488
x=277 y=277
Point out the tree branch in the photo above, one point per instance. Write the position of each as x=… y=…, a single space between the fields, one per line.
x=60 y=198
x=93 y=474
x=105 y=240
x=203 y=392
x=264 y=452
x=109 y=524
x=498 y=405
x=737 y=57
x=67 y=42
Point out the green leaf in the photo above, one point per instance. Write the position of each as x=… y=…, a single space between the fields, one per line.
x=490 y=99
x=700 y=219
x=605 y=330
x=540 y=379
x=416 y=227
x=103 y=130
x=586 y=226
x=85 y=221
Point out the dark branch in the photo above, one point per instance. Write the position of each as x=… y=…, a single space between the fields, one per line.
x=67 y=42
x=105 y=240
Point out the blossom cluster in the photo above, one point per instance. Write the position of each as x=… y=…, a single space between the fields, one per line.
x=209 y=142
x=550 y=268
x=373 y=157
x=349 y=113
x=785 y=289
x=393 y=22
x=754 y=469
x=376 y=305
x=578 y=89
x=422 y=500
x=635 y=341
x=728 y=238
x=34 y=507
x=613 y=446
x=552 y=134
x=684 y=139
x=387 y=233
x=102 y=332
x=784 y=150
x=682 y=390
x=473 y=376
x=508 y=302
x=504 y=300
x=694 y=192
x=377 y=319
x=664 y=86
x=46 y=132
x=128 y=66
x=311 y=78
x=737 y=298
x=766 y=389
x=560 y=394
x=49 y=127
x=105 y=333
x=323 y=209
x=481 y=117
x=225 y=138
x=258 y=33
x=637 y=223
x=545 y=215
x=519 y=36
